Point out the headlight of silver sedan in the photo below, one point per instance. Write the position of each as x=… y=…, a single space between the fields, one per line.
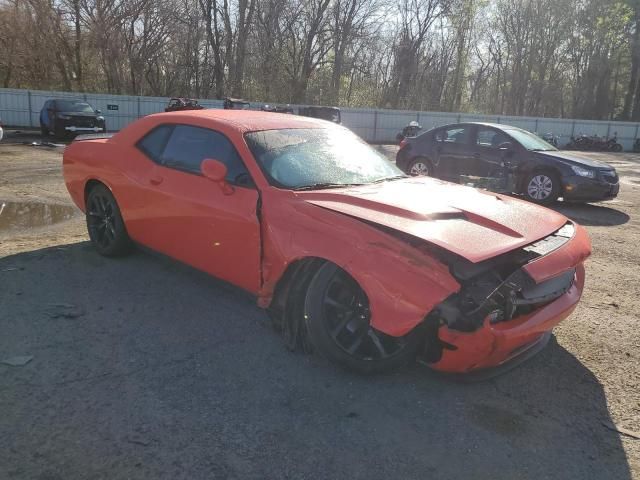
x=583 y=172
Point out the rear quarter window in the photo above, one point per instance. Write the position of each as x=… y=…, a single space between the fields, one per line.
x=153 y=143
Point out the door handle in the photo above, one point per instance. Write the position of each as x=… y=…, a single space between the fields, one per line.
x=156 y=180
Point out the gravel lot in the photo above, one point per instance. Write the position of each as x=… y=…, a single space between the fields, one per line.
x=145 y=369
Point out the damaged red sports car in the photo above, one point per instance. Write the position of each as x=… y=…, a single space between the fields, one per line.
x=352 y=258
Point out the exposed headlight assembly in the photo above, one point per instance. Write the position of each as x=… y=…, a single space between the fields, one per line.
x=583 y=172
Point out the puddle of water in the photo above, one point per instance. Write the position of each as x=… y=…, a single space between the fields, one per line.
x=17 y=215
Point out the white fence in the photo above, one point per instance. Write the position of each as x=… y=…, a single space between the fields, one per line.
x=21 y=108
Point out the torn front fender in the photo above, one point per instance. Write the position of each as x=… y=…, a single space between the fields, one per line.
x=401 y=282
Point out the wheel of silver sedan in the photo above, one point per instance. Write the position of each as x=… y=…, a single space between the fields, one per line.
x=540 y=187
x=419 y=167
x=338 y=322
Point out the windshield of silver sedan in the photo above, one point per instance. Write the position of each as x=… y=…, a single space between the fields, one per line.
x=530 y=141
x=313 y=159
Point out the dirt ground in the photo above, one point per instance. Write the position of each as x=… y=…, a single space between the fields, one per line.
x=145 y=369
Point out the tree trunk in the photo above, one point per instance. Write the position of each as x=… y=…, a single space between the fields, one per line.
x=77 y=45
x=635 y=68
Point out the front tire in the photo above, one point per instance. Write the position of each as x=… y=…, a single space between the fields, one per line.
x=542 y=187
x=420 y=167
x=106 y=228
x=337 y=320
x=59 y=132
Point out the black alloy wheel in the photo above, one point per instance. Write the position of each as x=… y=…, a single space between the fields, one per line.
x=104 y=223
x=338 y=323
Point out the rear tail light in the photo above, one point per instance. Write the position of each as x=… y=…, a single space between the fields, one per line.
x=403 y=142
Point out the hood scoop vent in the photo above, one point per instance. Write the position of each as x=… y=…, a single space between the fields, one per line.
x=358 y=204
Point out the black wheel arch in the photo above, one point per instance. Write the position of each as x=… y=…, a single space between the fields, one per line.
x=90 y=184
x=286 y=309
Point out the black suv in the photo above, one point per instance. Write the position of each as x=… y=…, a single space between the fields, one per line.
x=65 y=116
x=540 y=171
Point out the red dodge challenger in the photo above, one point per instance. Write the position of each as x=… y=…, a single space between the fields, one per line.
x=351 y=257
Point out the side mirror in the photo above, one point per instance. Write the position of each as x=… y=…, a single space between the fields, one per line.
x=506 y=146
x=216 y=171
x=98 y=112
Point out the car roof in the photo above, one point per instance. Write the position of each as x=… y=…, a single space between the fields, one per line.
x=246 y=120
x=70 y=99
x=321 y=107
x=500 y=126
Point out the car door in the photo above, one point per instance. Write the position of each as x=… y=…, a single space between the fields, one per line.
x=489 y=152
x=44 y=114
x=51 y=115
x=187 y=216
x=453 y=152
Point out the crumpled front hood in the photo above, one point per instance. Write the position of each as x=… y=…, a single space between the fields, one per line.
x=471 y=223
x=575 y=159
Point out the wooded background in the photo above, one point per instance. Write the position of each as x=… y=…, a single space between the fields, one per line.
x=553 y=58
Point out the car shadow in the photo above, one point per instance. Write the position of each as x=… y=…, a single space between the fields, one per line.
x=145 y=368
x=591 y=215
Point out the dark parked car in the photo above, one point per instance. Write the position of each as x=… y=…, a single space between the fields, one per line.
x=541 y=172
x=177 y=104
x=65 y=116
x=236 y=104
x=331 y=114
x=277 y=109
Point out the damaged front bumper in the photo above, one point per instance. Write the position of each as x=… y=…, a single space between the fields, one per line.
x=496 y=344
x=555 y=285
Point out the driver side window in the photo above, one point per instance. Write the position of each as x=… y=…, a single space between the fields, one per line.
x=490 y=138
x=187 y=146
x=452 y=135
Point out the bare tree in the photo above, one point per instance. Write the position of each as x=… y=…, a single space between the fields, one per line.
x=576 y=58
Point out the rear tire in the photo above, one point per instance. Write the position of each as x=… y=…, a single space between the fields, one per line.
x=420 y=167
x=106 y=228
x=616 y=148
x=542 y=187
x=337 y=320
